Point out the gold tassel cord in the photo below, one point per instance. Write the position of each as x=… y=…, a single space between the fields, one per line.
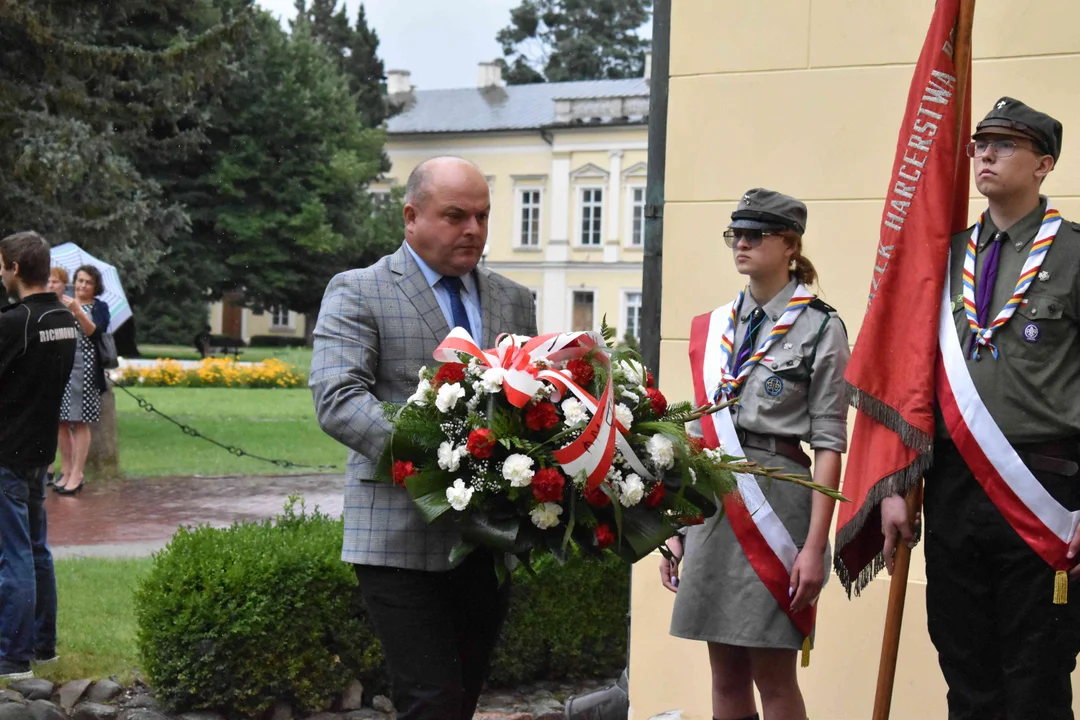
x=806 y=652
x=1061 y=587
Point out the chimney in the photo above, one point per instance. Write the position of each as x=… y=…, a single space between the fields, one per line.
x=489 y=74
x=648 y=65
x=398 y=82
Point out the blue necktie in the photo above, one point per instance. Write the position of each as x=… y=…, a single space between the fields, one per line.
x=453 y=287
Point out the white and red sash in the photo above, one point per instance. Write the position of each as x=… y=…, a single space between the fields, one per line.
x=763 y=538
x=1037 y=517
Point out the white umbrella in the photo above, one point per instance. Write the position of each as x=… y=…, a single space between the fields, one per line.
x=70 y=257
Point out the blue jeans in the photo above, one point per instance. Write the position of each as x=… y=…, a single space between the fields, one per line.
x=27 y=578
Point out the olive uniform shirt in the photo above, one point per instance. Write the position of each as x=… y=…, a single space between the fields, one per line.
x=798 y=389
x=1032 y=389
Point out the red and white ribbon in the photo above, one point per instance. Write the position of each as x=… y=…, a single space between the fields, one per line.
x=525 y=368
x=1044 y=524
x=764 y=540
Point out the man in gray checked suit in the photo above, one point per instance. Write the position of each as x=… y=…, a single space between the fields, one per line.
x=377 y=327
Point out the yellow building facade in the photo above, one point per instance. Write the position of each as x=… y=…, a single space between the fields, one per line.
x=806 y=97
x=566 y=167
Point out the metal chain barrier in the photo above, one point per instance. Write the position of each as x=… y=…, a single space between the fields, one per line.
x=192 y=432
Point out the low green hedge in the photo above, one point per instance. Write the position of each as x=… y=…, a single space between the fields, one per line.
x=235 y=619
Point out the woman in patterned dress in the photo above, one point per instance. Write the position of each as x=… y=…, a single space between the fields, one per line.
x=82 y=398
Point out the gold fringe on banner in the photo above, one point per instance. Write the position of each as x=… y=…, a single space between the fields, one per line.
x=806 y=652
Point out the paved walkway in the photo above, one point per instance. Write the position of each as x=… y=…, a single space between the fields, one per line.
x=132 y=518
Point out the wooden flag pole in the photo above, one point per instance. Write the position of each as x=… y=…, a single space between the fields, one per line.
x=894 y=615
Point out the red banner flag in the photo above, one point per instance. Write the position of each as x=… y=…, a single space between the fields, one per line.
x=891 y=373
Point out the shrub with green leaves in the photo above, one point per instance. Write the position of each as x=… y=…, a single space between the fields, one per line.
x=235 y=619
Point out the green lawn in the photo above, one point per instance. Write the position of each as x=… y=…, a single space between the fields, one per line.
x=300 y=357
x=278 y=424
x=96 y=620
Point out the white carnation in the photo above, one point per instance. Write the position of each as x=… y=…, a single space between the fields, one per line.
x=546 y=515
x=631 y=490
x=459 y=496
x=450 y=457
x=422 y=394
x=633 y=371
x=518 y=470
x=574 y=412
x=624 y=415
x=421 y=372
x=449 y=394
x=661 y=451
x=492 y=380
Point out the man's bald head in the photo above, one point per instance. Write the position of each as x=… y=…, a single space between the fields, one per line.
x=418 y=186
x=447 y=202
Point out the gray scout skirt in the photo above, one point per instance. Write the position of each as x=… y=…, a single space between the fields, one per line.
x=720 y=597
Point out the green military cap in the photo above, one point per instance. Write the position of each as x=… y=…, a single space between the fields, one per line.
x=1011 y=114
x=762 y=209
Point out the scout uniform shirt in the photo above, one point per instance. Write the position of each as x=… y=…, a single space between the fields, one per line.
x=798 y=390
x=1032 y=389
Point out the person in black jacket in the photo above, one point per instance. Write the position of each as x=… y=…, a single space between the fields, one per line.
x=37 y=349
x=81 y=404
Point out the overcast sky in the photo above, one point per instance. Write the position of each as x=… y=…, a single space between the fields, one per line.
x=440 y=41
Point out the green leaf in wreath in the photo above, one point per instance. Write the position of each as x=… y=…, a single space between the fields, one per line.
x=432 y=506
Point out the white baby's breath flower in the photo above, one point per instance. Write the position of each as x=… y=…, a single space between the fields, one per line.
x=546 y=515
x=630 y=490
x=661 y=451
x=693 y=477
x=624 y=415
x=492 y=379
x=472 y=403
x=574 y=412
x=449 y=394
x=459 y=496
x=715 y=454
x=518 y=470
x=450 y=456
x=613 y=473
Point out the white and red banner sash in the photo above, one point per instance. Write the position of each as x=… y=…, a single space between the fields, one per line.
x=523 y=372
x=1037 y=517
x=764 y=540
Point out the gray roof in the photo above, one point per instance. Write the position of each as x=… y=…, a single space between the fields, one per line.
x=515 y=107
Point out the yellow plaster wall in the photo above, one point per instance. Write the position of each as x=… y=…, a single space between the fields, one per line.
x=806 y=97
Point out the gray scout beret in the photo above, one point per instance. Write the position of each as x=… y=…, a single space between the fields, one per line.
x=1015 y=115
x=762 y=209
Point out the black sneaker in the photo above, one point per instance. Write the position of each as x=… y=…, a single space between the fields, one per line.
x=15 y=670
x=45 y=656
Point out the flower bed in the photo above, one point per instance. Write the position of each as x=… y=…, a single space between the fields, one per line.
x=214 y=372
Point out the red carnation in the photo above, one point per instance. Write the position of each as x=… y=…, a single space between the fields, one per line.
x=581 y=370
x=658 y=401
x=596 y=497
x=697 y=445
x=450 y=373
x=650 y=381
x=604 y=536
x=652 y=500
x=403 y=469
x=481 y=443
x=541 y=416
x=547 y=485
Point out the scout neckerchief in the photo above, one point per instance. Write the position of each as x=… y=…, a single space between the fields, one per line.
x=764 y=540
x=1043 y=523
x=1043 y=240
x=729 y=384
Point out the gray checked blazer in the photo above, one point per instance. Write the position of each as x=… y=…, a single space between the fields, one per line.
x=377 y=327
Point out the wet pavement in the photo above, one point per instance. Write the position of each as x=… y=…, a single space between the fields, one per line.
x=137 y=517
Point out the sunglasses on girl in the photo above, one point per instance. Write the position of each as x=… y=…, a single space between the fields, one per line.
x=753 y=238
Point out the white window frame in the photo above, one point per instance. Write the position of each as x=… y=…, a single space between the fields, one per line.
x=624 y=312
x=578 y=225
x=519 y=208
x=595 y=306
x=290 y=318
x=628 y=241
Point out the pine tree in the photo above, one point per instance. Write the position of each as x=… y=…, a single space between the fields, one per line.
x=560 y=40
